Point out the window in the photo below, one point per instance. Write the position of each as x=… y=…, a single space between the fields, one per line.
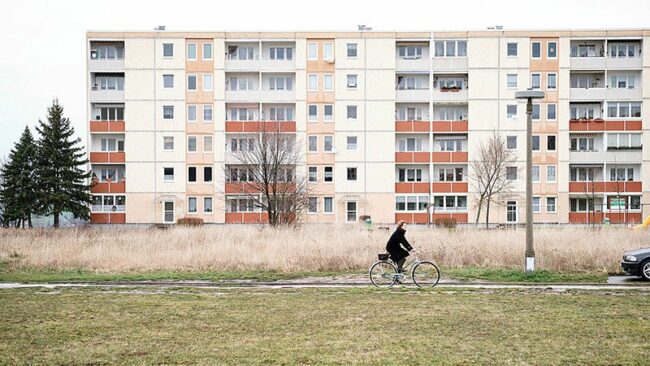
x=191 y=143
x=191 y=113
x=511 y=173
x=207 y=113
x=550 y=204
x=535 y=173
x=110 y=114
x=512 y=81
x=168 y=211
x=622 y=81
x=240 y=83
x=551 y=112
x=450 y=48
x=207 y=51
x=581 y=204
x=623 y=109
x=536 y=208
x=207 y=82
x=409 y=144
x=168 y=143
x=511 y=111
x=535 y=142
x=328 y=206
x=550 y=142
x=352 y=112
x=352 y=174
x=280 y=83
x=329 y=174
x=624 y=141
x=512 y=49
x=328 y=113
x=328 y=145
x=168 y=81
x=313 y=82
x=581 y=174
x=168 y=50
x=207 y=204
x=313 y=174
x=409 y=175
x=581 y=111
x=536 y=50
x=112 y=144
x=511 y=211
x=168 y=174
x=281 y=114
x=450 y=145
x=351 y=211
x=191 y=51
x=582 y=144
x=624 y=49
x=550 y=173
x=412 y=203
x=352 y=50
x=535 y=81
x=313 y=112
x=352 y=80
x=191 y=174
x=313 y=144
x=449 y=203
x=450 y=175
x=191 y=204
x=328 y=51
x=191 y=82
x=551 y=50
x=409 y=52
x=328 y=82
x=281 y=53
x=109 y=83
x=207 y=143
x=511 y=142
x=621 y=174
x=352 y=143
x=168 y=112
x=241 y=53
x=551 y=81
x=536 y=113
x=312 y=205
x=312 y=51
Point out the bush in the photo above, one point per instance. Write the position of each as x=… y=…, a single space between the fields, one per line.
x=446 y=222
x=190 y=221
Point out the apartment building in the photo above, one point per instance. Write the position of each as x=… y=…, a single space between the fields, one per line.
x=390 y=122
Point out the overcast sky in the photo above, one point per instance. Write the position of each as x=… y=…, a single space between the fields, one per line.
x=42 y=54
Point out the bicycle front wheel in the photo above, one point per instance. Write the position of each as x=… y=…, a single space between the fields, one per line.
x=425 y=274
x=383 y=274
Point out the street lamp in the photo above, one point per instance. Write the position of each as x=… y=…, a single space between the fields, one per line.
x=529 y=95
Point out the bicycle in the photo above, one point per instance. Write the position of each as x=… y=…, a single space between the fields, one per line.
x=383 y=273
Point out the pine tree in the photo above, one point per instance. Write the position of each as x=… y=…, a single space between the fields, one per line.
x=19 y=185
x=63 y=181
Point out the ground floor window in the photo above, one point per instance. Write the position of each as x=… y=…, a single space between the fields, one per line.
x=511 y=211
x=351 y=211
x=108 y=203
x=450 y=203
x=168 y=212
x=411 y=203
x=581 y=204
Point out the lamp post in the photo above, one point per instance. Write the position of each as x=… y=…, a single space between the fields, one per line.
x=529 y=95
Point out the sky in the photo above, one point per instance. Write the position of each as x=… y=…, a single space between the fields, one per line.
x=42 y=42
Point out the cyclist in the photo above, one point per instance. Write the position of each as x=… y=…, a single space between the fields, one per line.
x=394 y=246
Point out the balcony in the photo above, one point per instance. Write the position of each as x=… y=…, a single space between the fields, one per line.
x=242 y=95
x=102 y=157
x=107 y=218
x=106 y=56
x=411 y=187
x=587 y=94
x=259 y=126
x=449 y=64
x=449 y=187
x=588 y=63
x=103 y=95
x=99 y=65
x=412 y=64
x=107 y=126
x=611 y=156
x=412 y=95
x=412 y=126
x=449 y=156
x=605 y=187
x=278 y=96
x=598 y=217
x=599 y=125
x=449 y=126
x=277 y=65
x=246 y=217
x=624 y=93
x=450 y=95
x=412 y=157
x=108 y=187
x=625 y=63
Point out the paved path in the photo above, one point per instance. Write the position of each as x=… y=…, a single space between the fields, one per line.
x=614 y=283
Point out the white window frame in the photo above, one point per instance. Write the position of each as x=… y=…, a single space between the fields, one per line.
x=205 y=108
x=205 y=138
x=515 y=140
x=309 y=174
x=310 y=87
x=196 y=205
x=539 y=174
x=208 y=77
x=508 y=49
x=348 y=211
x=310 y=117
x=354 y=145
x=548 y=50
x=352 y=85
x=537 y=207
x=309 y=145
x=548 y=168
x=554 y=205
x=191 y=106
x=196 y=51
x=173 y=144
x=329 y=77
x=532 y=77
x=356 y=50
x=331 y=211
x=173 y=174
x=347 y=112
x=547 y=111
x=548 y=78
x=331 y=50
x=327 y=118
x=196 y=144
x=309 y=205
x=172 y=48
x=211 y=205
x=165 y=211
x=167 y=107
x=508 y=115
x=172 y=81
x=196 y=82
x=508 y=81
x=532 y=46
x=331 y=141
x=311 y=57
x=211 y=51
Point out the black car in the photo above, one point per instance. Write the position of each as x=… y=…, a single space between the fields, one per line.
x=637 y=263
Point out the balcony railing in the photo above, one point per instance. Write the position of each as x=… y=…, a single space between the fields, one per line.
x=450 y=95
x=259 y=126
x=107 y=126
x=604 y=187
x=106 y=157
x=108 y=187
x=412 y=95
x=599 y=124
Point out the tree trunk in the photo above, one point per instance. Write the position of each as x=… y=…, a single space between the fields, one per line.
x=478 y=213
x=56 y=220
x=487 y=214
x=29 y=221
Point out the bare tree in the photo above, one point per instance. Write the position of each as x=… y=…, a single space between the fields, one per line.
x=489 y=173
x=267 y=176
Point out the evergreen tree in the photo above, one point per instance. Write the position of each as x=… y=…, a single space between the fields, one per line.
x=19 y=185
x=63 y=181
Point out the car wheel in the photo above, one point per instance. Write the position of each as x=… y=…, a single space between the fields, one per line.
x=645 y=270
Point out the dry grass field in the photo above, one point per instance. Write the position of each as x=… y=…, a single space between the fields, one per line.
x=309 y=248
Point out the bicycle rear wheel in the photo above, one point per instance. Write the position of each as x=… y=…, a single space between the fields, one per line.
x=425 y=274
x=383 y=274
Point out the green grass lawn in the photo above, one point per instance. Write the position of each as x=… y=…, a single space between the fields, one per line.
x=322 y=326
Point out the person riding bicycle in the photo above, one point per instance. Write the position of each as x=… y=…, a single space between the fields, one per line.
x=394 y=246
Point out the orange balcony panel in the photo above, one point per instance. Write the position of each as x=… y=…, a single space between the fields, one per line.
x=403 y=126
x=246 y=217
x=441 y=157
x=459 y=187
x=412 y=157
x=411 y=218
x=602 y=187
x=615 y=125
x=623 y=217
x=441 y=187
x=459 y=157
x=585 y=217
x=633 y=125
x=234 y=126
x=460 y=126
x=251 y=126
x=420 y=157
x=412 y=126
x=108 y=187
x=107 y=157
x=106 y=126
x=441 y=126
x=633 y=186
x=461 y=218
x=411 y=187
x=586 y=125
x=108 y=218
x=239 y=187
x=403 y=216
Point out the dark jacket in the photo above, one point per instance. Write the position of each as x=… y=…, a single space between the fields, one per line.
x=394 y=248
